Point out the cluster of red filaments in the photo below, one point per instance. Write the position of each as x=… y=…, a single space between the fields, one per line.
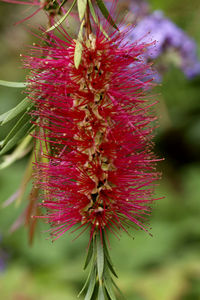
x=95 y=169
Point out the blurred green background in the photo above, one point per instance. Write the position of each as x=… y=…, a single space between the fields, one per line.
x=163 y=267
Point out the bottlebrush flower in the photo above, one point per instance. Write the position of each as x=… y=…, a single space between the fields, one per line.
x=96 y=169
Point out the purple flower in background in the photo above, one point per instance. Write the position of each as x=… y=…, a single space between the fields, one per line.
x=167 y=36
x=139 y=9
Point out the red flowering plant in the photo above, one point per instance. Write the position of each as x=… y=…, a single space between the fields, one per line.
x=92 y=122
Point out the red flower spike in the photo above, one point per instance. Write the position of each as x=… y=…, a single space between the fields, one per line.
x=95 y=129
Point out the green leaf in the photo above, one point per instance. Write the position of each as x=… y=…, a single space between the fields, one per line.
x=20 y=130
x=105 y=13
x=82 y=4
x=78 y=53
x=91 y=285
x=80 y=33
x=88 y=258
x=14 y=112
x=21 y=133
x=101 y=293
x=63 y=17
x=95 y=293
x=92 y=11
x=86 y=283
x=100 y=256
x=18 y=153
x=96 y=19
x=5 y=115
x=89 y=255
x=62 y=3
x=110 y=265
x=13 y=84
x=107 y=295
x=25 y=118
x=118 y=289
x=109 y=284
x=79 y=47
x=108 y=259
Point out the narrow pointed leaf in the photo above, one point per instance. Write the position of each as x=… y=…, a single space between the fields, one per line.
x=110 y=266
x=82 y=4
x=101 y=293
x=63 y=17
x=105 y=13
x=100 y=256
x=108 y=284
x=95 y=293
x=96 y=19
x=62 y=3
x=80 y=33
x=79 y=47
x=107 y=295
x=13 y=84
x=18 y=153
x=85 y=285
x=21 y=133
x=108 y=259
x=25 y=118
x=88 y=259
x=118 y=289
x=91 y=285
x=78 y=54
x=14 y=112
x=89 y=255
x=92 y=11
x=4 y=116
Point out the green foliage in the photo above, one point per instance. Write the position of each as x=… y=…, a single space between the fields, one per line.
x=63 y=18
x=24 y=105
x=100 y=256
x=82 y=4
x=79 y=47
x=99 y=283
x=13 y=84
x=89 y=255
x=22 y=128
x=106 y=13
x=23 y=148
x=78 y=53
x=96 y=19
x=91 y=286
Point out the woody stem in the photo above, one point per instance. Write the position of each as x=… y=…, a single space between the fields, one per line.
x=87 y=21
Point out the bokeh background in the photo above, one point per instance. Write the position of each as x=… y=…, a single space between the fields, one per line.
x=163 y=267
